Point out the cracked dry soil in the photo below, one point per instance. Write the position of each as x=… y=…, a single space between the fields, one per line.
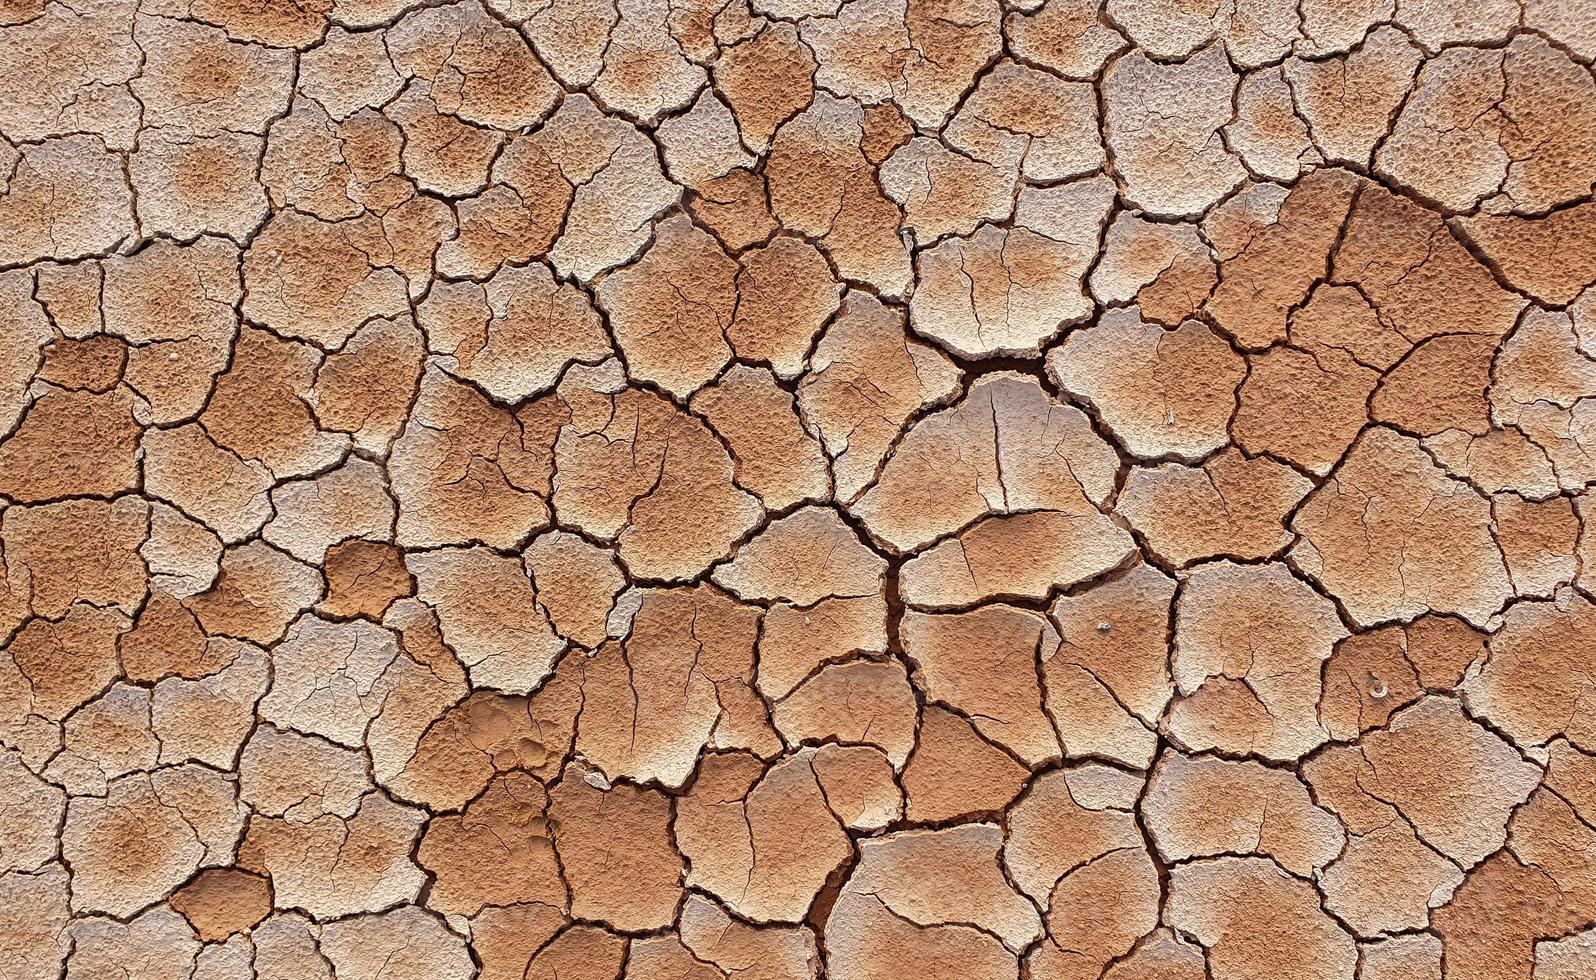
x=797 y=489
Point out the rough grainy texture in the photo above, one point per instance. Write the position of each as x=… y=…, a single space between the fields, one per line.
x=797 y=490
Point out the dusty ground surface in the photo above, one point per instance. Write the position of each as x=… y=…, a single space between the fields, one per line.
x=876 y=490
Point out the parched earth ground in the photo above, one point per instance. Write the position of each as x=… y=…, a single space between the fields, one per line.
x=873 y=490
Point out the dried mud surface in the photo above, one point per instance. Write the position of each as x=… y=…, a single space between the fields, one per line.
x=761 y=489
